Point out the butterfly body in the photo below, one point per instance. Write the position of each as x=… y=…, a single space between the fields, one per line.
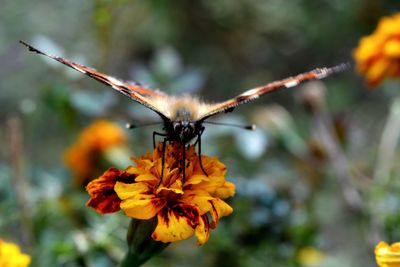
x=183 y=116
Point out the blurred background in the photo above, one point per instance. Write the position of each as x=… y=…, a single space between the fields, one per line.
x=315 y=182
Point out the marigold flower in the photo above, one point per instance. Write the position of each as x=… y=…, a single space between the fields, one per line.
x=183 y=205
x=378 y=55
x=84 y=156
x=11 y=255
x=387 y=255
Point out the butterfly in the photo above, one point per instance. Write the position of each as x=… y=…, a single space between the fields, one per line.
x=183 y=116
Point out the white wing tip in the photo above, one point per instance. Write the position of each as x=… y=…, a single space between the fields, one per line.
x=291 y=84
x=324 y=72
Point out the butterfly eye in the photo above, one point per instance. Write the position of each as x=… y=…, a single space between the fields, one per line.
x=177 y=127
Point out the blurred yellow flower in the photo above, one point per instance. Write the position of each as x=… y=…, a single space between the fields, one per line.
x=387 y=255
x=11 y=255
x=310 y=256
x=184 y=206
x=378 y=55
x=84 y=155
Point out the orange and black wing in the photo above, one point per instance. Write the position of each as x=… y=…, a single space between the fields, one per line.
x=135 y=91
x=255 y=93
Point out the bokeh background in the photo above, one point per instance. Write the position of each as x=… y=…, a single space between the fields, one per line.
x=317 y=182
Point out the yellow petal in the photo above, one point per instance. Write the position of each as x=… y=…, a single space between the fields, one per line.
x=143 y=209
x=366 y=47
x=175 y=190
x=132 y=170
x=212 y=166
x=177 y=184
x=176 y=224
x=143 y=165
x=200 y=198
x=376 y=72
x=388 y=26
x=225 y=191
x=137 y=201
x=11 y=255
x=196 y=179
x=147 y=177
x=125 y=191
x=203 y=230
x=220 y=209
x=170 y=176
x=392 y=48
x=388 y=256
x=216 y=186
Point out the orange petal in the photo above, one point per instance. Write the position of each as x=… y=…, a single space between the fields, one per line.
x=103 y=198
x=176 y=224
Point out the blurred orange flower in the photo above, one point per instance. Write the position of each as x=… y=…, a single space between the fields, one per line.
x=378 y=55
x=184 y=206
x=11 y=255
x=387 y=255
x=84 y=155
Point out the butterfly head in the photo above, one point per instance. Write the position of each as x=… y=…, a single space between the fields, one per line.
x=182 y=127
x=184 y=130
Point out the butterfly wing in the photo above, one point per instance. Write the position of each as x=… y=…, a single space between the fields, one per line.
x=135 y=91
x=255 y=93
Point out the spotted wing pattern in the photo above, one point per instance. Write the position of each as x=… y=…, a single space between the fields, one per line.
x=135 y=91
x=255 y=93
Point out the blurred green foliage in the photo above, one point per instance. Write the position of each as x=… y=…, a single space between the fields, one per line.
x=290 y=193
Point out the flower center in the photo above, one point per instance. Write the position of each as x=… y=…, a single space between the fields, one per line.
x=171 y=196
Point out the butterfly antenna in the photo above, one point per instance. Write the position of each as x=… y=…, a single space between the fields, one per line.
x=251 y=127
x=135 y=126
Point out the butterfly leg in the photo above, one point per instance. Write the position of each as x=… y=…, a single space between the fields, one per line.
x=198 y=141
x=164 y=145
x=154 y=137
x=183 y=161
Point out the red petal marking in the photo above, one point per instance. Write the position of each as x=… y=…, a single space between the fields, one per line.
x=154 y=236
x=164 y=214
x=189 y=212
x=203 y=230
x=103 y=198
x=206 y=223
x=214 y=216
x=158 y=202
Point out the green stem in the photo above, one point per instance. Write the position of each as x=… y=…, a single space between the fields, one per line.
x=141 y=245
x=131 y=260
